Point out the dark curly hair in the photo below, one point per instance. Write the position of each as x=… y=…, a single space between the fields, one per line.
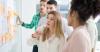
x=44 y=0
x=96 y=8
x=85 y=8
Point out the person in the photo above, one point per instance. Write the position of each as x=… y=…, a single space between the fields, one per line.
x=39 y=17
x=91 y=24
x=80 y=40
x=38 y=20
x=52 y=37
x=52 y=6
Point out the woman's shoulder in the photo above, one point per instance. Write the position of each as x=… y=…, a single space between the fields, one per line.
x=81 y=32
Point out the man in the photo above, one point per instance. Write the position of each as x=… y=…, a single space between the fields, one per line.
x=38 y=20
x=52 y=6
x=39 y=17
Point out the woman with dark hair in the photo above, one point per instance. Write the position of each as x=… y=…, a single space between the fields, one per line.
x=80 y=12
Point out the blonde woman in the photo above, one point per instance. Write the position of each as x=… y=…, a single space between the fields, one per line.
x=52 y=38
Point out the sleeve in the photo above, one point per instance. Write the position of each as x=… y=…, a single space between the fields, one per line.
x=78 y=43
x=92 y=29
x=32 y=24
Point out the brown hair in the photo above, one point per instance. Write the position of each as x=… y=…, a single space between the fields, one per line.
x=85 y=9
x=58 y=27
x=44 y=0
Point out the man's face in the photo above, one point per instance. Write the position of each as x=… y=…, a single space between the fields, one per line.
x=43 y=6
x=51 y=7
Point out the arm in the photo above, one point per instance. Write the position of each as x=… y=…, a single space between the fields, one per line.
x=33 y=23
x=38 y=33
x=35 y=37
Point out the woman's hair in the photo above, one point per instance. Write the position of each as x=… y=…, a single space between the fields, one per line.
x=58 y=26
x=85 y=9
x=44 y=0
x=96 y=8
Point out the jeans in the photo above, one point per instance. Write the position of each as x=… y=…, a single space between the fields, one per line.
x=35 y=48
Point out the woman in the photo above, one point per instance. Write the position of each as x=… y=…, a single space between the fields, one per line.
x=52 y=38
x=80 y=40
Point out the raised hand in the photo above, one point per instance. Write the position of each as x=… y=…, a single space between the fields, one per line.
x=37 y=34
x=18 y=21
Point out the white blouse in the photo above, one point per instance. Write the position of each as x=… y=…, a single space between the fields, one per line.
x=79 y=41
x=92 y=29
x=42 y=21
x=53 y=44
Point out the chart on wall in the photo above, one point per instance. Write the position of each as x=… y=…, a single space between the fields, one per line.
x=8 y=36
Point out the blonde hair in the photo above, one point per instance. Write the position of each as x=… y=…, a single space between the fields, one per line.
x=57 y=29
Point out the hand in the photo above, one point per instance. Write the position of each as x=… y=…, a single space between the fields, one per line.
x=35 y=35
x=18 y=21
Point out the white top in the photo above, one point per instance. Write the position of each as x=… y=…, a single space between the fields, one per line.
x=53 y=44
x=92 y=29
x=79 y=41
x=42 y=21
